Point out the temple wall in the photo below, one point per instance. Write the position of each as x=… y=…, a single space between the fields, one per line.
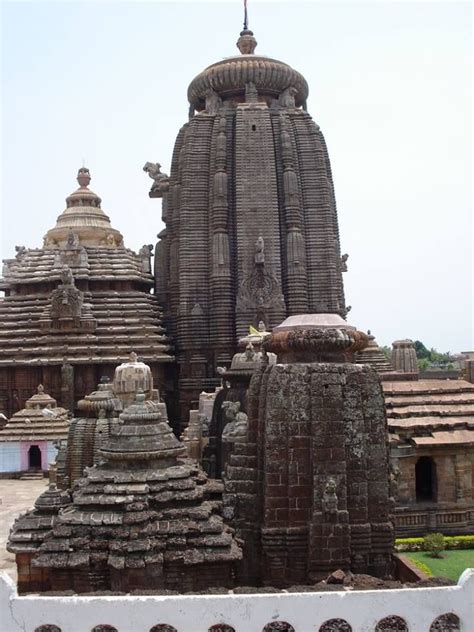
x=10 y=456
x=362 y=610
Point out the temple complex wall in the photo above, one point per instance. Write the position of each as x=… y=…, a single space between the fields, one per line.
x=428 y=609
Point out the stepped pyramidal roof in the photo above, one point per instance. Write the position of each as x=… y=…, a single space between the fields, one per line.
x=40 y=420
x=83 y=297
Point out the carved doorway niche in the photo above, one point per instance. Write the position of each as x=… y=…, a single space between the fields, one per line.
x=425 y=473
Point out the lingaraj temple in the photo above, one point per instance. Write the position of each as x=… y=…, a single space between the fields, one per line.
x=214 y=420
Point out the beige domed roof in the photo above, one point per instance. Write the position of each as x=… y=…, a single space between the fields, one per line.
x=229 y=77
x=84 y=218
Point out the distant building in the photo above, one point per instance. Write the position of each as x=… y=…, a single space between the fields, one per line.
x=28 y=440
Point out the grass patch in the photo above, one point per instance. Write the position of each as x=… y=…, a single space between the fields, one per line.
x=451 y=565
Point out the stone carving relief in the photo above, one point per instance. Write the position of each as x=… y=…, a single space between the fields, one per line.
x=237 y=422
x=287 y=97
x=344 y=259
x=260 y=291
x=66 y=300
x=259 y=250
x=72 y=240
x=161 y=181
x=20 y=252
x=329 y=500
x=213 y=102
x=146 y=253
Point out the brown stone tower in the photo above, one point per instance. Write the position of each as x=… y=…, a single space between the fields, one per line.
x=251 y=224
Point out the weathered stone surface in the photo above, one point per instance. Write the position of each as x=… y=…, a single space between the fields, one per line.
x=317 y=496
x=251 y=223
x=142 y=517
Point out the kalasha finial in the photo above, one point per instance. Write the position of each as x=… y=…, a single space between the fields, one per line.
x=84 y=177
x=246 y=42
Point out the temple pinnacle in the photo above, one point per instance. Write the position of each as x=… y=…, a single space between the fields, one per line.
x=83 y=177
x=246 y=42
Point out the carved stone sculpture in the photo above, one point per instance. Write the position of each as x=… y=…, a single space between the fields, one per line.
x=66 y=300
x=146 y=252
x=160 y=180
x=237 y=424
x=213 y=102
x=72 y=240
x=344 y=259
x=329 y=501
x=20 y=251
x=287 y=97
x=260 y=250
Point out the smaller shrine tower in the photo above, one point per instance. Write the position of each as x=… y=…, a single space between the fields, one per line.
x=76 y=307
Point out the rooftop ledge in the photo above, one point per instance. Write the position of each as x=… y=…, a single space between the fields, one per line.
x=362 y=610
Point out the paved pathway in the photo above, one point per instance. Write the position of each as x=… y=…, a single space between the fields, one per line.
x=15 y=497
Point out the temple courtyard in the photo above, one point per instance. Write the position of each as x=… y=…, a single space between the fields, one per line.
x=16 y=496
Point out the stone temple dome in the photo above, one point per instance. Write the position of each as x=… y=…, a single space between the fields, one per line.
x=230 y=76
x=131 y=377
x=84 y=217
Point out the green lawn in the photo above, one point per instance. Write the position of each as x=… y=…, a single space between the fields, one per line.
x=451 y=565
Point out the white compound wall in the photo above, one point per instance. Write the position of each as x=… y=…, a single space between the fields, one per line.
x=306 y=612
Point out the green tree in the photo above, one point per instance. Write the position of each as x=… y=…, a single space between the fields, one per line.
x=434 y=544
x=421 y=350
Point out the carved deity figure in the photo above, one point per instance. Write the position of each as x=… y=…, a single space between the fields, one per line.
x=72 y=240
x=394 y=479
x=20 y=251
x=260 y=250
x=145 y=253
x=66 y=299
x=237 y=422
x=67 y=277
x=329 y=500
x=213 y=102
x=161 y=181
x=344 y=259
x=287 y=97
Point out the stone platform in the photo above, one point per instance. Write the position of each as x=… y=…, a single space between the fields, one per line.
x=16 y=496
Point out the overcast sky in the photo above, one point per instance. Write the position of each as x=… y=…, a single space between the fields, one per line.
x=390 y=86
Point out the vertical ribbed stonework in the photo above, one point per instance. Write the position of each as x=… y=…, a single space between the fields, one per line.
x=296 y=291
x=166 y=270
x=251 y=225
x=193 y=254
x=257 y=218
x=222 y=308
x=322 y=241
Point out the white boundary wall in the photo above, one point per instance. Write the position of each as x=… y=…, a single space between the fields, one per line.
x=246 y=613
